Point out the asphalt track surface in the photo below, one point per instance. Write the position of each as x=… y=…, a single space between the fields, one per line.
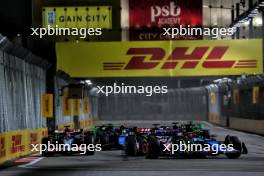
x=109 y=163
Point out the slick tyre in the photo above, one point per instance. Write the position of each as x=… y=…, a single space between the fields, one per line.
x=90 y=139
x=46 y=153
x=131 y=146
x=153 y=149
x=104 y=139
x=237 y=145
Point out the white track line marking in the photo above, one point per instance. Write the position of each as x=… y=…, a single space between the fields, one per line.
x=31 y=163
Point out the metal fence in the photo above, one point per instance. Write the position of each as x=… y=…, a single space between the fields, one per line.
x=177 y=104
x=21 y=87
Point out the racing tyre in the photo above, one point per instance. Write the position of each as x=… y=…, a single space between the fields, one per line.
x=131 y=146
x=104 y=139
x=46 y=153
x=153 y=149
x=237 y=145
x=90 y=139
x=144 y=148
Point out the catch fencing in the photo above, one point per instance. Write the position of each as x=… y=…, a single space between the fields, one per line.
x=177 y=104
x=21 y=87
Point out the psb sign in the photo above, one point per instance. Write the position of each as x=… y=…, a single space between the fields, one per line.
x=157 y=13
x=147 y=19
x=160 y=58
x=78 y=17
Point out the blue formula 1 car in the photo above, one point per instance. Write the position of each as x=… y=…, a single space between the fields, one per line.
x=232 y=147
x=134 y=141
x=191 y=143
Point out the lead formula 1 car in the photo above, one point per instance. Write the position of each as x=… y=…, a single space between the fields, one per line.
x=195 y=143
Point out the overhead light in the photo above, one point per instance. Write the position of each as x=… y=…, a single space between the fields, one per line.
x=223 y=80
x=261 y=4
x=89 y=82
x=257 y=21
x=251 y=13
x=217 y=81
x=246 y=23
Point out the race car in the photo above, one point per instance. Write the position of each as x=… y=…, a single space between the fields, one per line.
x=63 y=142
x=108 y=136
x=160 y=136
x=134 y=141
x=162 y=142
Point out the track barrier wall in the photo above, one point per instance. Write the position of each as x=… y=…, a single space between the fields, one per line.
x=238 y=105
x=15 y=144
x=22 y=86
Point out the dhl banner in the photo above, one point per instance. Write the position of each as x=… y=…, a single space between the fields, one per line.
x=78 y=17
x=66 y=106
x=47 y=105
x=15 y=144
x=86 y=105
x=160 y=58
x=76 y=107
x=86 y=124
x=255 y=97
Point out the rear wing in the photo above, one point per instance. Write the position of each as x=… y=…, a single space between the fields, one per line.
x=143 y=130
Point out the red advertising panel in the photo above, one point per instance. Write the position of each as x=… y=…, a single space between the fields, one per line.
x=17 y=145
x=147 y=18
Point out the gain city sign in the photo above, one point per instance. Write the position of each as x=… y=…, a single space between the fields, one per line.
x=78 y=17
x=160 y=58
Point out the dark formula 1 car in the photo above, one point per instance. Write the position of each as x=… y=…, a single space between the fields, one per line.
x=69 y=142
x=134 y=141
x=108 y=136
x=191 y=141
